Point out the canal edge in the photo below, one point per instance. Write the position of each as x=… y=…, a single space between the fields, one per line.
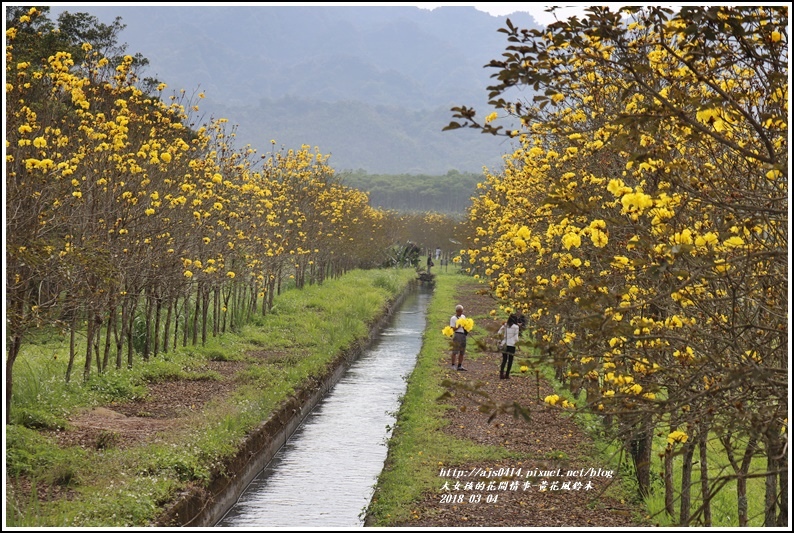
x=205 y=506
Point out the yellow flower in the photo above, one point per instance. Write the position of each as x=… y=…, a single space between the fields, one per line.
x=188 y=274
x=447 y=331
x=524 y=368
x=465 y=323
x=571 y=239
x=552 y=399
x=733 y=242
x=677 y=436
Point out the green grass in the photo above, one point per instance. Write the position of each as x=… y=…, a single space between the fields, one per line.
x=724 y=512
x=111 y=487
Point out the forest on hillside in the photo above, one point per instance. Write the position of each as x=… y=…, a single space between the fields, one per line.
x=449 y=194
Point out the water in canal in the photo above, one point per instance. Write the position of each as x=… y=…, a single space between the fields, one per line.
x=324 y=476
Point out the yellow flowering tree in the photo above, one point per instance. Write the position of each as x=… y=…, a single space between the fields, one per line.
x=136 y=228
x=641 y=221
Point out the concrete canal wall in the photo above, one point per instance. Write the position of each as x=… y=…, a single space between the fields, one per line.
x=205 y=506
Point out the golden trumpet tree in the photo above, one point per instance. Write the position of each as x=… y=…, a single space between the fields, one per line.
x=642 y=224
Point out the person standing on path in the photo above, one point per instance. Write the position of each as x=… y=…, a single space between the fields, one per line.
x=510 y=332
x=458 y=338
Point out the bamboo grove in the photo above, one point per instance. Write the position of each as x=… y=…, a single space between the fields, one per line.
x=642 y=225
x=135 y=230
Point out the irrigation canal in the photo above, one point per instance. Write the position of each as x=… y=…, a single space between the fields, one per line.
x=325 y=474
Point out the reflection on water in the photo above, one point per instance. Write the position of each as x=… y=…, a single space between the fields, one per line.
x=325 y=474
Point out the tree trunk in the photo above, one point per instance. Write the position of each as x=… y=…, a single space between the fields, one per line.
x=226 y=298
x=185 y=327
x=250 y=308
x=72 y=354
x=119 y=335
x=216 y=311
x=271 y=294
x=705 y=489
x=771 y=495
x=176 y=321
x=167 y=327
x=11 y=357
x=237 y=303
x=205 y=305
x=278 y=281
x=108 y=333
x=196 y=312
x=97 y=337
x=158 y=309
x=741 y=473
x=640 y=449
x=130 y=329
x=686 y=484
x=89 y=345
x=147 y=322
x=782 y=516
x=669 y=496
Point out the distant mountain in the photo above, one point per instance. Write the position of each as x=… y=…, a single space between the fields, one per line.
x=371 y=85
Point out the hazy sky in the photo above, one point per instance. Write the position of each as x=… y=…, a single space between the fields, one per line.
x=506 y=8
x=494 y=8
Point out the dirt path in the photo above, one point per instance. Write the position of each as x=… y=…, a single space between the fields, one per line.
x=476 y=495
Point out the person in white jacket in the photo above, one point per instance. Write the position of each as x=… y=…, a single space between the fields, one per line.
x=509 y=334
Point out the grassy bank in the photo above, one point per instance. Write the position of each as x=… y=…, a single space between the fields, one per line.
x=417 y=448
x=112 y=486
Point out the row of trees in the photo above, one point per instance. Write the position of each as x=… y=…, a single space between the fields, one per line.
x=129 y=223
x=643 y=225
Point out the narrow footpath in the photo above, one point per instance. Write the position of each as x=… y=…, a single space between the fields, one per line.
x=556 y=478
